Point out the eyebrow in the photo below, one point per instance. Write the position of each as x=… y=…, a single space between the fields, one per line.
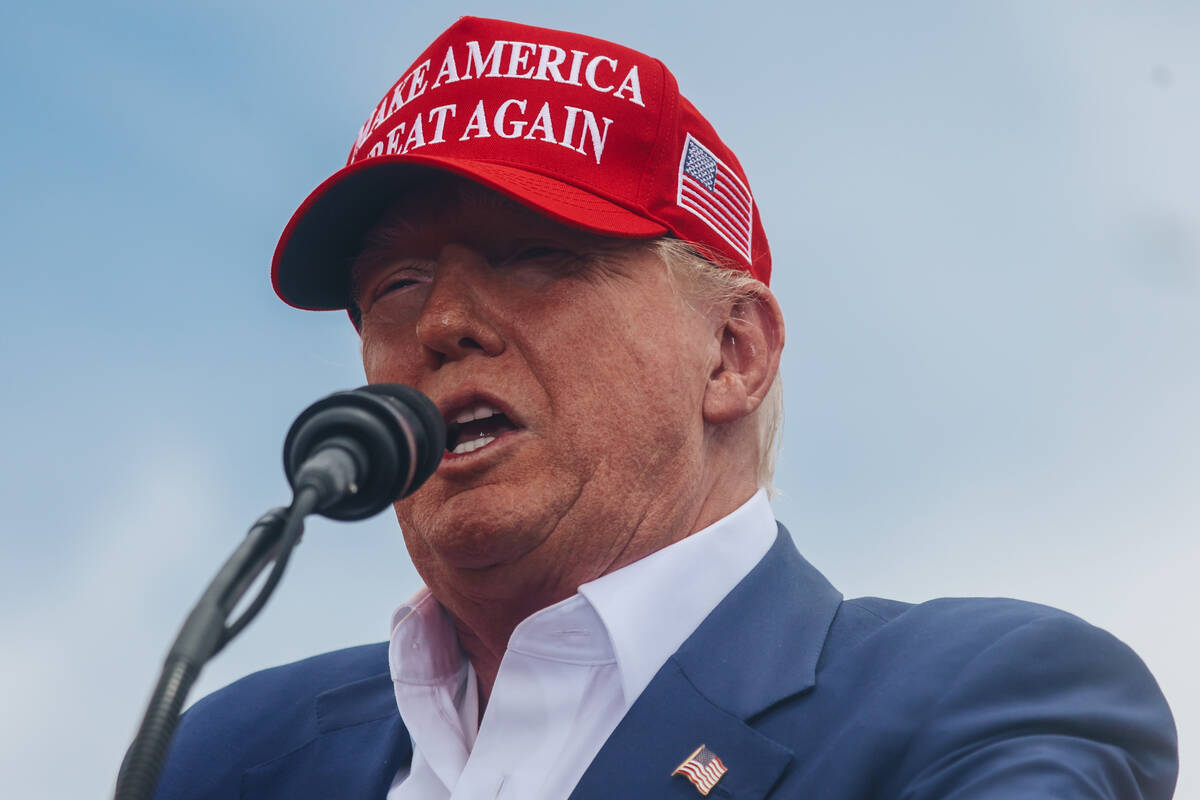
x=377 y=243
x=407 y=214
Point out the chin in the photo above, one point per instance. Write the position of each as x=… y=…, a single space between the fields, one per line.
x=473 y=530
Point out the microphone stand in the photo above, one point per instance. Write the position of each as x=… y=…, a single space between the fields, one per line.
x=349 y=455
x=206 y=631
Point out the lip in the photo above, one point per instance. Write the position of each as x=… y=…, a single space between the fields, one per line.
x=453 y=464
x=456 y=464
x=468 y=396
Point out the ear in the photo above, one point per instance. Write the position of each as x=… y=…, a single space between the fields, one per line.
x=751 y=341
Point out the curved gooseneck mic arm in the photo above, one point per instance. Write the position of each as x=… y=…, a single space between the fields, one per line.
x=347 y=456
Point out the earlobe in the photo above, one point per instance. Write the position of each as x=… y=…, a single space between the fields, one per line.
x=750 y=342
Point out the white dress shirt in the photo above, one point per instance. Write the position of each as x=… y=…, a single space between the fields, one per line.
x=570 y=672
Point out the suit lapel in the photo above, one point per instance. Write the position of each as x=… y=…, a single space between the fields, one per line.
x=666 y=724
x=360 y=744
x=760 y=645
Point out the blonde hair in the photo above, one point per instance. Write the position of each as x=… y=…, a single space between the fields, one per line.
x=710 y=283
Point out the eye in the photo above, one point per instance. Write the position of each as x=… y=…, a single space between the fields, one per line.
x=540 y=251
x=401 y=283
x=537 y=252
x=398 y=284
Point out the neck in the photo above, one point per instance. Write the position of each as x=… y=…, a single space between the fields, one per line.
x=487 y=604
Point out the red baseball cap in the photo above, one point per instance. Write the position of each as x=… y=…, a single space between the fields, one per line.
x=586 y=132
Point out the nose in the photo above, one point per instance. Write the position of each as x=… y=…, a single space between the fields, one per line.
x=454 y=321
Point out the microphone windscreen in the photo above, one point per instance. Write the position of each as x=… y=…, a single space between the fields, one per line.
x=392 y=435
x=432 y=425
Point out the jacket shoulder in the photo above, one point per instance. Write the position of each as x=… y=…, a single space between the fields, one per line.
x=999 y=694
x=260 y=717
x=937 y=628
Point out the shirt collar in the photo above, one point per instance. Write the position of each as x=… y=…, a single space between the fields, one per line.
x=644 y=622
x=570 y=632
x=651 y=606
x=424 y=646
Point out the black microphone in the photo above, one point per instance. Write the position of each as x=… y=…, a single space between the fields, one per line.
x=364 y=449
x=347 y=457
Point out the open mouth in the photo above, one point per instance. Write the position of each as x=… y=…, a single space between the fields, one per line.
x=476 y=426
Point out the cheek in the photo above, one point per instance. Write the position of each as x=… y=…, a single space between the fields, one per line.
x=371 y=367
x=385 y=357
x=647 y=371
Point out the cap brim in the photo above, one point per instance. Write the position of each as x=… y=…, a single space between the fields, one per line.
x=311 y=266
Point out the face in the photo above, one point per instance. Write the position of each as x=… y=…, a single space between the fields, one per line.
x=585 y=367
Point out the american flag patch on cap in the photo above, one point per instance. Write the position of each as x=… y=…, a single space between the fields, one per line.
x=714 y=193
x=702 y=768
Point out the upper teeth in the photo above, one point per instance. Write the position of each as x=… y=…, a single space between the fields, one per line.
x=480 y=411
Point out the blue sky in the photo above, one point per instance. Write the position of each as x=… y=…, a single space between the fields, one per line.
x=986 y=232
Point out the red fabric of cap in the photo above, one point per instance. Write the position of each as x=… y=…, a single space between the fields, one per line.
x=587 y=132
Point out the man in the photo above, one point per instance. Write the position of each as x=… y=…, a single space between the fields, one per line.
x=537 y=230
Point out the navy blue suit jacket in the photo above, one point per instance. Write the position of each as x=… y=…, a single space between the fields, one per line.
x=801 y=694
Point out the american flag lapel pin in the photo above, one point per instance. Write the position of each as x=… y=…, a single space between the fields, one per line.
x=703 y=768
